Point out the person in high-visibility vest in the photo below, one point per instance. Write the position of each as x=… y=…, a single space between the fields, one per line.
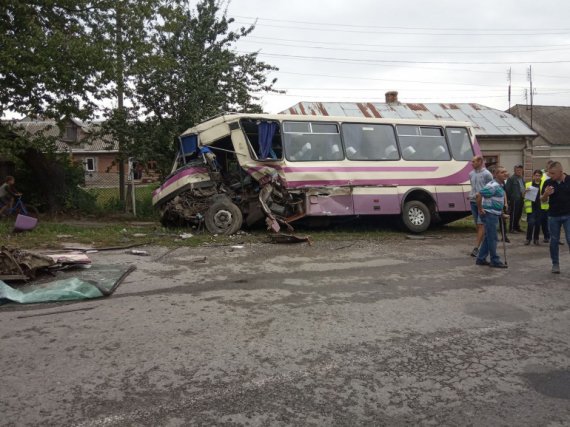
x=533 y=208
x=544 y=206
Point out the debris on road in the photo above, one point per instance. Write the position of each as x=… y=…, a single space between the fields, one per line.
x=289 y=238
x=98 y=282
x=137 y=252
x=422 y=236
x=16 y=264
x=184 y=236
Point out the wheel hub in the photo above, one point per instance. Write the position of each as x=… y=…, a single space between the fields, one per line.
x=223 y=218
x=416 y=216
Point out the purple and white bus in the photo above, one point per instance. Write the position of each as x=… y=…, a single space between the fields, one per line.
x=244 y=168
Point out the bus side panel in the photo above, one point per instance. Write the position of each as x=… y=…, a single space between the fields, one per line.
x=451 y=198
x=329 y=202
x=376 y=200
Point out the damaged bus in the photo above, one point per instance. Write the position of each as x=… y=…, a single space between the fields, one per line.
x=240 y=169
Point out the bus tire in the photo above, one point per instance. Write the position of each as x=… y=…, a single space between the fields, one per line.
x=223 y=217
x=416 y=216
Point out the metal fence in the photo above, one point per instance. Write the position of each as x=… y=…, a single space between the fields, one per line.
x=104 y=186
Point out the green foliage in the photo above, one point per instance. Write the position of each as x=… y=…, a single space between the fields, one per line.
x=73 y=198
x=46 y=60
x=165 y=65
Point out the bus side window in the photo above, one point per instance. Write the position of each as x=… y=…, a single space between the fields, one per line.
x=370 y=142
x=460 y=143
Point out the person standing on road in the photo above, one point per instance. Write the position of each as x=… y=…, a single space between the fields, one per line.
x=479 y=177
x=490 y=204
x=515 y=189
x=557 y=191
x=533 y=208
x=544 y=206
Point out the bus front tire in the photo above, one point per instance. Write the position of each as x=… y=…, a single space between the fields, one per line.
x=223 y=217
x=416 y=216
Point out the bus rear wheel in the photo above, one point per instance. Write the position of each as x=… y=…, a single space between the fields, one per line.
x=416 y=216
x=223 y=217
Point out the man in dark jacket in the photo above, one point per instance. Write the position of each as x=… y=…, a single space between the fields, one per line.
x=557 y=192
x=514 y=188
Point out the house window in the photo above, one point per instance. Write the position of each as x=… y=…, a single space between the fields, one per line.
x=89 y=164
x=71 y=133
x=491 y=160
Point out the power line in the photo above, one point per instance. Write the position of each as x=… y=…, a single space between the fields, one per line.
x=404 y=46
x=336 y=30
x=389 y=27
x=304 y=45
x=383 y=61
x=376 y=89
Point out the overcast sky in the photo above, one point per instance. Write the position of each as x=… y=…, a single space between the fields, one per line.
x=429 y=51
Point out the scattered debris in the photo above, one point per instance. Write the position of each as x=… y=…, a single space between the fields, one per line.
x=344 y=247
x=289 y=238
x=139 y=235
x=422 y=236
x=70 y=258
x=101 y=281
x=237 y=246
x=64 y=236
x=137 y=252
x=184 y=236
x=16 y=264
x=109 y=248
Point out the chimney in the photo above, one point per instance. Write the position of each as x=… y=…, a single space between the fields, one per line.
x=392 y=97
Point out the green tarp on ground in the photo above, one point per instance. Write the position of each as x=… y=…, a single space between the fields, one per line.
x=95 y=282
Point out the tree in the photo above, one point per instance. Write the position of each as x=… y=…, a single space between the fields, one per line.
x=194 y=73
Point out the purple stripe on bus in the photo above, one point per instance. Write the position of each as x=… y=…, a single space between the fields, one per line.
x=185 y=172
x=453 y=201
x=459 y=177
x=376 y=204
x=293 y=169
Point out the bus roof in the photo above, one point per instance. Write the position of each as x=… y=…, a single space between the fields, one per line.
x=234 y=117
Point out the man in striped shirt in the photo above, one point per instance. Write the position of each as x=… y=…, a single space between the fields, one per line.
x=490 y=203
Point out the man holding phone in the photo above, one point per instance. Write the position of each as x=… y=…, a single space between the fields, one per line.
x=556 y=191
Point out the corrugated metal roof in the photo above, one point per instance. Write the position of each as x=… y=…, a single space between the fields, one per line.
x=486 y=121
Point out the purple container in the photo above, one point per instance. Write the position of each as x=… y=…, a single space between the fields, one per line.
x=25 y=223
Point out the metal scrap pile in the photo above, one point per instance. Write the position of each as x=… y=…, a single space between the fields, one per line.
x=18 y=264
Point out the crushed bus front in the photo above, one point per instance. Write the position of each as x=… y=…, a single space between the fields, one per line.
x=214 y=182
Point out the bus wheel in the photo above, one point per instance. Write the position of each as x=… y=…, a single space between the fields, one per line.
x=416 y=216
x=223 y=217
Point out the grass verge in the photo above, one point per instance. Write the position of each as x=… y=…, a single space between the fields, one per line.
x=55 y=235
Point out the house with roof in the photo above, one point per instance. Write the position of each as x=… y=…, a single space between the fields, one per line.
x=504 y=139
x=552 y=124
x=96 y=153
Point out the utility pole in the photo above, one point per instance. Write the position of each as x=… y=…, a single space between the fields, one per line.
x=120 y=76
x=531 y=93
x=509 y=76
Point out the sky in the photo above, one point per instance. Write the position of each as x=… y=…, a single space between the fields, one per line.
x=435 y=51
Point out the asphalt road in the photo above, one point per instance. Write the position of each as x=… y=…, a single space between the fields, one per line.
x=399 y=332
